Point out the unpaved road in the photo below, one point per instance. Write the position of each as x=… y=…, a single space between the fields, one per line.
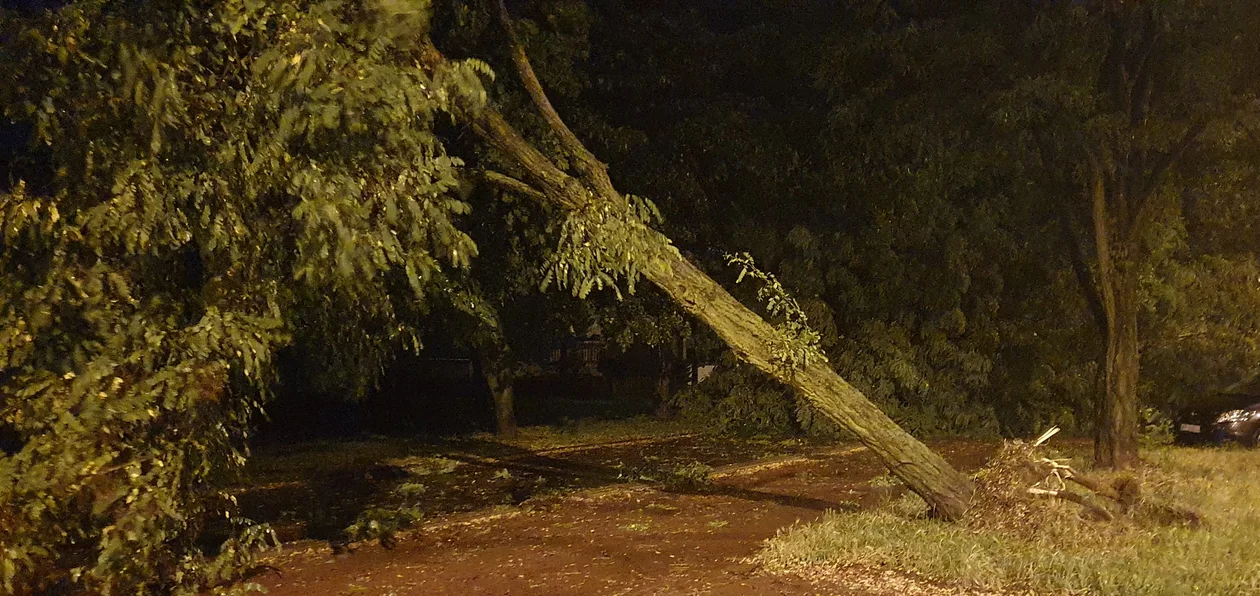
x=626 y=539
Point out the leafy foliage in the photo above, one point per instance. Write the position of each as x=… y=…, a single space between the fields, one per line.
x=601 y=244
x=798 y=344
x=224 y=172
x=924 y=167
x=381 y=523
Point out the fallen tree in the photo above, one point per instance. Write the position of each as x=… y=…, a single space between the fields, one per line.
x=607 y=238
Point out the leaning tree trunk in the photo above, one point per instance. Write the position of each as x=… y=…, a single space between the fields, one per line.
x=947 y=492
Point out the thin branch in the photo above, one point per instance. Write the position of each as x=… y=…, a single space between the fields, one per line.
x=595 y=171
x=1143 y=212
x=511 y=184
x=1090 y=506
x=1096 y=193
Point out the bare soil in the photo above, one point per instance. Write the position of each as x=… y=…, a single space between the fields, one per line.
x=315 y=491
x=630 y=538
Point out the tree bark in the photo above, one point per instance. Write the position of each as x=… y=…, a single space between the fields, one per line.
x=1116 y=441
x=500 y=382
x=663 y=410
x=1117 y=444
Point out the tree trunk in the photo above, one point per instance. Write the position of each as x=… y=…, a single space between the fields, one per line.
x=1117 y=442
x=947 y=492
x=663 y=411
x=504 y=410
x=500 y=382
x=666 y=368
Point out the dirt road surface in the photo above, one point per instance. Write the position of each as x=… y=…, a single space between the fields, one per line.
x=630 y=539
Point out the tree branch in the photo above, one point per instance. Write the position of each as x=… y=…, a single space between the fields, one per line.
x=1089 y=286
x=1113 y=76
x=511 y=184
x=1145 y=75
x=1142 y=215
x=595 y=171
x=556 y=185
x=1096 y=193
x=1098 y=510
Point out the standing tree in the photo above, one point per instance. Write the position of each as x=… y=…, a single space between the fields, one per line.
x=1124 y=95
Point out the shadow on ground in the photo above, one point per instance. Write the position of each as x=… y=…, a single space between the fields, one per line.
x=316 y=490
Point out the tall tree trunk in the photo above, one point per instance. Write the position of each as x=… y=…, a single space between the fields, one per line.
x=1116 y=441
x=500 y=381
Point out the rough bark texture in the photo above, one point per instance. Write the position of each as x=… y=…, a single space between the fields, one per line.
x=500 y=382
x=1117 y=444
x=1116 y=441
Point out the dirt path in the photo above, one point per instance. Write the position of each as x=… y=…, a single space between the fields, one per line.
x=625 y=539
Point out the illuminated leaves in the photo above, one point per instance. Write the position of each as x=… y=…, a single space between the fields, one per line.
x=604 y=244
x=223 y=174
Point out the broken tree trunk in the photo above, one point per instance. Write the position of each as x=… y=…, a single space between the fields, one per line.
x=1123 y=492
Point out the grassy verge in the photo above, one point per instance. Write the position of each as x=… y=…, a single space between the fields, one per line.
x=1060 y=552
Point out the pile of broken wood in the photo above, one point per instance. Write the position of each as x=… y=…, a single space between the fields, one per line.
x=1100 y=499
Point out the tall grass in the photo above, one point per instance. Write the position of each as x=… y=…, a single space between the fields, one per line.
x=1064 y=553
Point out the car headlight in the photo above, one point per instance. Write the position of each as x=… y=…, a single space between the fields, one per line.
x=1236 y=416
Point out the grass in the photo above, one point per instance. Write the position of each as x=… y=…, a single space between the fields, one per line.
x=1060 y=552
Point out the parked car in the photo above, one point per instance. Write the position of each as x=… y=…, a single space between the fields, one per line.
x=1220 y=418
